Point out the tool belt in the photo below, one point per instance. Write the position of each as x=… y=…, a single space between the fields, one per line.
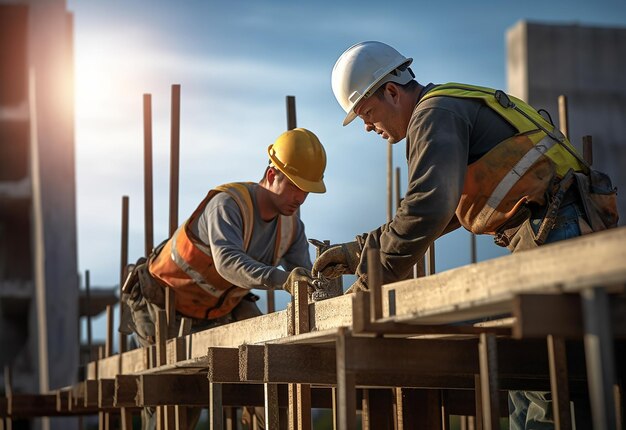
x=593 y=193
x=563 y=193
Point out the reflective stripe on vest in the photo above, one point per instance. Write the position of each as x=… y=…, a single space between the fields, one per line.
x=511 y=178
x=186 y=265
x=517 y=170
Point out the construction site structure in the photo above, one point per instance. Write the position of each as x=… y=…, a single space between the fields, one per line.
x=586 y=64
x=408 y=355
x=38 y=261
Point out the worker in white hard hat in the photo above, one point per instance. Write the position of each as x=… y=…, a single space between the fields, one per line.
x=477 y=158
x=232 y=243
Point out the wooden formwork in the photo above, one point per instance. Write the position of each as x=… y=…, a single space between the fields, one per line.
x=406 y=355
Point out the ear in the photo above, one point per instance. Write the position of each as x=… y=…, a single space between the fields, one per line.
x=392 y=92
x=270 y=177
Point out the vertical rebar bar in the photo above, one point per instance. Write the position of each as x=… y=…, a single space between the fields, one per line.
x=291 y=112
x=397 y=187
x=563 y=116
x=147 y=174
x=389 y=182
x=174 y=158
x=588 y=149
x=123 y=264
x=473 y=250
x=88 y=314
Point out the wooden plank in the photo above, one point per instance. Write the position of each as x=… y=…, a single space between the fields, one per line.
x=489 y=381
x=173 y=389
x=223 y=364
x=346 y=384
x=216 y=417
x=315 y=365
x=462 y=293
x=106 y=392
x=380 y=409
x=600 y=357
x=91 y=393
x=251 y=362
x=302 y=325
x=559 y=384
x=126 y=388
x=63 y=400
x=271 y=406
x=564 y=319
x=375 y=280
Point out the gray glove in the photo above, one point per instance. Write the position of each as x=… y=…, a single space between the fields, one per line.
x=338 y=260
x=299 y=274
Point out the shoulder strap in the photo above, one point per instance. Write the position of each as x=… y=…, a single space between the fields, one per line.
x=240 y=193
x=285 y=236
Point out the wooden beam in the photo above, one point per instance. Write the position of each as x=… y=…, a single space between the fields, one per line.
x=106 y=392
x=489 y=287
x=91 y=393
x=564 y=319
x=223 y=364
x=489 y=381
x=557 y=355
x=126 y=389
x=251 y=363
x=346 y=383
x=172 y=389
x=299 y=363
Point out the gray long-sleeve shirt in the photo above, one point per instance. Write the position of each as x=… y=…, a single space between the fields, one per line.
x=220 y=226
x=444 y=135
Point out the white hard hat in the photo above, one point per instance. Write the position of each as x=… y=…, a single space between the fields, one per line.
x=362 y=69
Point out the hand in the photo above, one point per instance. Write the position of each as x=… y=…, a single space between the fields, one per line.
x=359 y=285
x=338 y=259
x=299 y=274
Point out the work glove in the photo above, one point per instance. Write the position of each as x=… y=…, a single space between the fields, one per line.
x=359 y=285
x=338 y=260
x=299 y=274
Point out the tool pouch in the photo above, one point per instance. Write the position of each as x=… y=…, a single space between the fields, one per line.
x=599 y=201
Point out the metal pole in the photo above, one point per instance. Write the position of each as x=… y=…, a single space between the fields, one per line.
x=389 y=182
x=88 y=297
x=291 y=112
x=588 y=149
x=398 y=198
x=39 y=263
x=147 y=174
x=123 y=264
x=431 y=259
x=563 y=122
x=473 y=252
x=174 y=158
x=170 y=299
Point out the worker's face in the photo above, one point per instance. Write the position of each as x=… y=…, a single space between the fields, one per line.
x=384 y=114
x=286 y=196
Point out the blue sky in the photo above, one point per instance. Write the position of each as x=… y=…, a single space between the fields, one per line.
x=236 y=61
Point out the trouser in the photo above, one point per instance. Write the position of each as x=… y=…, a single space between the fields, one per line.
x=532 y=409
x=143 y=315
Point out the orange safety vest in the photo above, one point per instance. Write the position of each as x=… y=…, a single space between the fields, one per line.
x=517 y=170
x=185 y=263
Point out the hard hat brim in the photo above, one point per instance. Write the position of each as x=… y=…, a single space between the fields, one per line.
x=349 y=118
x=308 y=186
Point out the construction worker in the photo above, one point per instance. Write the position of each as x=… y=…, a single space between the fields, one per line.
x=233 y=242
x=477 y=158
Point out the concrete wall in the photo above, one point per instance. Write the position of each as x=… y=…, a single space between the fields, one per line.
x=588 y=65
x=37 y=36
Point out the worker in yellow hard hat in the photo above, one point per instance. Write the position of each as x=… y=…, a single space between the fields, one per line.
x=477 y=158
x=233 y=242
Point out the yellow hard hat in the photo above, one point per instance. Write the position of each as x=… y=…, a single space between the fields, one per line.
x=299 y=154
